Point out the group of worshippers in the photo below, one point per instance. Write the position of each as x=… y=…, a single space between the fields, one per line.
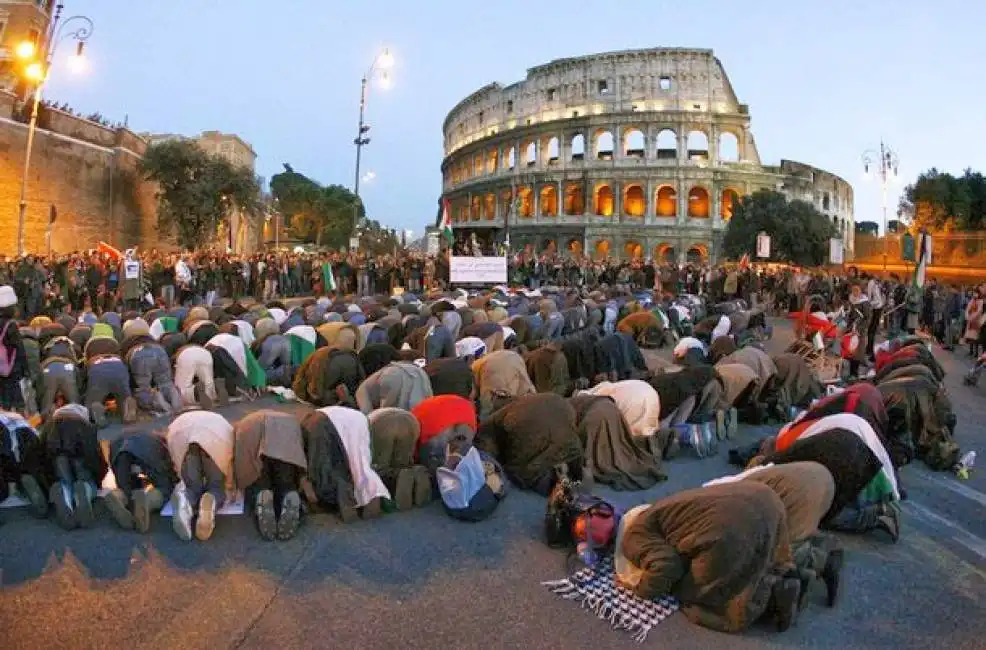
x=403 y=400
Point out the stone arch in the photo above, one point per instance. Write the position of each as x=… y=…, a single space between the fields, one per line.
x=489 y=206
x=727 y=203
x=602 y=201
x=698 y=146
x=698 y=202
x=530 y=154
x=664 y=253
x=574 y=202
x=574 y=246
x=667 y=145
x=634 y=200
x=601 y=248
x=548 y=200
x=666 y=201
x=634 y=143
x=476 y=207
x=506 y=200
x=549 y=246
x=728 y=149
x=603 y=145
x=633 y=250
x=477 y=164
x=578 y=147
x=697 y=254
x=826 y=201
x=492 y=158
x=552 y=151
x=525 y=197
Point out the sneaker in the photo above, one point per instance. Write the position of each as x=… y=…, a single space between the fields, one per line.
x=145 y=501
x=346 y=502
x=696 y=440
x=35 y=495
x=890 y=523
x=205 y=401
x=222 y=395
x=61 y=496
x=206 y=522
x=266 y=519
x=116 y=502
x=83 y=495
x=404 y=488
x=709 y=437
x=181 y=517
x=422 y=486
x=785 y=598
x=98 y=412
x=832 y=574
x=287 y=525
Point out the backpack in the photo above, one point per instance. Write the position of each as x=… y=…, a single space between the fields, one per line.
x=573 y=517
x=8 y=355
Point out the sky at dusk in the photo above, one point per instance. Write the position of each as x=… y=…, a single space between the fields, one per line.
x=824 y=81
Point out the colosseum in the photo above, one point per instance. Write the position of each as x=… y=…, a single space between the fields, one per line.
x=638 y=153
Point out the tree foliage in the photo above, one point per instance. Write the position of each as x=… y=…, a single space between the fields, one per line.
x=940 y=201
x=315 y=214
x=198 y=192
x=799 y=233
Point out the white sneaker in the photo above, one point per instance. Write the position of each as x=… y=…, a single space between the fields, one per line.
x=206 y=523
x=181 y=517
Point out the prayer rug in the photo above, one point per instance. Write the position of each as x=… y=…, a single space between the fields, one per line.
x=596 y=588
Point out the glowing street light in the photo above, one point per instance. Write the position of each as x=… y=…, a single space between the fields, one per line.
x=26 y=50
x=884 y=164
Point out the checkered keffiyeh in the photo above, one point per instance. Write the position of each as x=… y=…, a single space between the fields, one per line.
x=597 y=590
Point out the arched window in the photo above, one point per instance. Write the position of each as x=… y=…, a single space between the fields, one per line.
x=633 y=143
x=728 y=147
x=511 y=160
x=698 y=202
x=548 y=201
x=728 y=203
x=475 y=208
x=696 y=254
x=826 y=201
x=604 y=145
x=602 y=248
x=667 y=145
x=634 y=200
x=574 y=247
x=633 y=250
x=552 y=152
x=531 y=157
x=506 y=201
x=578 y=147
x=526 y=198
x=491 y=161
x=664 y=253
x=698 y=146
x=667 y=201
x=489 y=206
x=603 y=201
x=477 y=165
x=574 y=199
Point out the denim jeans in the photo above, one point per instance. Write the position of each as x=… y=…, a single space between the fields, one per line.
x=150 y=365
x=107 y=376
x=275 y=359
x=200 y=475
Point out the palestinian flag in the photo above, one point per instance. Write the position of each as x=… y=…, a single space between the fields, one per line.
x=922 y=257
x=328 y=278
x=446 y=225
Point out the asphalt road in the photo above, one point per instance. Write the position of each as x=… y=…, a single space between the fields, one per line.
x=424 y=580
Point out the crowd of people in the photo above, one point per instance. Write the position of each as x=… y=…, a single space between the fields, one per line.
x=431 y=392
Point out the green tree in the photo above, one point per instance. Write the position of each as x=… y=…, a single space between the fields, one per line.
x=198 y=192
x=316 y=214
x=799 y=233
x=940 y=201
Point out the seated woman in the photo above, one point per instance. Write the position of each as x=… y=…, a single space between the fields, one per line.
x=337 y=444
x=145 y=479
x=201 y=448
x=77 y=463
x=394 y=435
x=401 y=385
x=531 y=435
x=23 y=461
x=194 y=363
x=723 y=551
x=269 y=461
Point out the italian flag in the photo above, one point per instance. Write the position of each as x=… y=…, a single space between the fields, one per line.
x=446 y=225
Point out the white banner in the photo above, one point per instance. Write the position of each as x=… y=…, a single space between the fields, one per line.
x=478 y=270
x=433 y=246
x=131 y=270
x=763 y=245
x=835 y=251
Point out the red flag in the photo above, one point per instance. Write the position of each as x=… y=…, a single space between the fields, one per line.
x=744 y=262
x=108 y=250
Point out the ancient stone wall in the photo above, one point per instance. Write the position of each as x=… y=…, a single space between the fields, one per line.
x=88 y=171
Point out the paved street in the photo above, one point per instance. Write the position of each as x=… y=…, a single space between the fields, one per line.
x=424 y=580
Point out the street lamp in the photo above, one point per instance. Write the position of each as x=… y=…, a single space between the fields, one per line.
x=38 y=71
x=381 y=64
x=884 y=164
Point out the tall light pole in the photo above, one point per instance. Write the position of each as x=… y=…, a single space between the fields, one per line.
x=381 y=64
x=884 y=163
x=38 y=71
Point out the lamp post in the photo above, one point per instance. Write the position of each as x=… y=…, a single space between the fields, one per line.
x=381 y=64
x=884 y=164
x=38 y=71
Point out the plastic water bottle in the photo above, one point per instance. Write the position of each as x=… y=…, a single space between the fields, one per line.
x=965 y=464
x=586 y=554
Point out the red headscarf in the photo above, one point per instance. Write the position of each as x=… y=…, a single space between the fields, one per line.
x=438 y=413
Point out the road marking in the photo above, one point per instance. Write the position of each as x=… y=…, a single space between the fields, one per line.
x=959 y=534
x=954 y=486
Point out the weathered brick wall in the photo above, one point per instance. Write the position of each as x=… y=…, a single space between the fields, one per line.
x=96 y=187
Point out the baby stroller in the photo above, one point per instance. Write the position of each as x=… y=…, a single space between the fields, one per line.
x=816 y=335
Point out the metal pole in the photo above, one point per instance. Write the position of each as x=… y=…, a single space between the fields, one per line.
x=22 y=211
x=277 y=230
x=360 y=141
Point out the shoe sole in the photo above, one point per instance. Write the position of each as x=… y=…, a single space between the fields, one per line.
x=63 y=513
x=266 y=521
x=404 y=489
x=831 y=575
x=142 y=512
x=346 y=503
x=787 y=607
x=118 y=510
x=287 y=525
x=206 y=402
x=422 y=486
x=181 y=527
x=35 y=496
x=83 y=506
x=205 y=525
x=372 y=510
